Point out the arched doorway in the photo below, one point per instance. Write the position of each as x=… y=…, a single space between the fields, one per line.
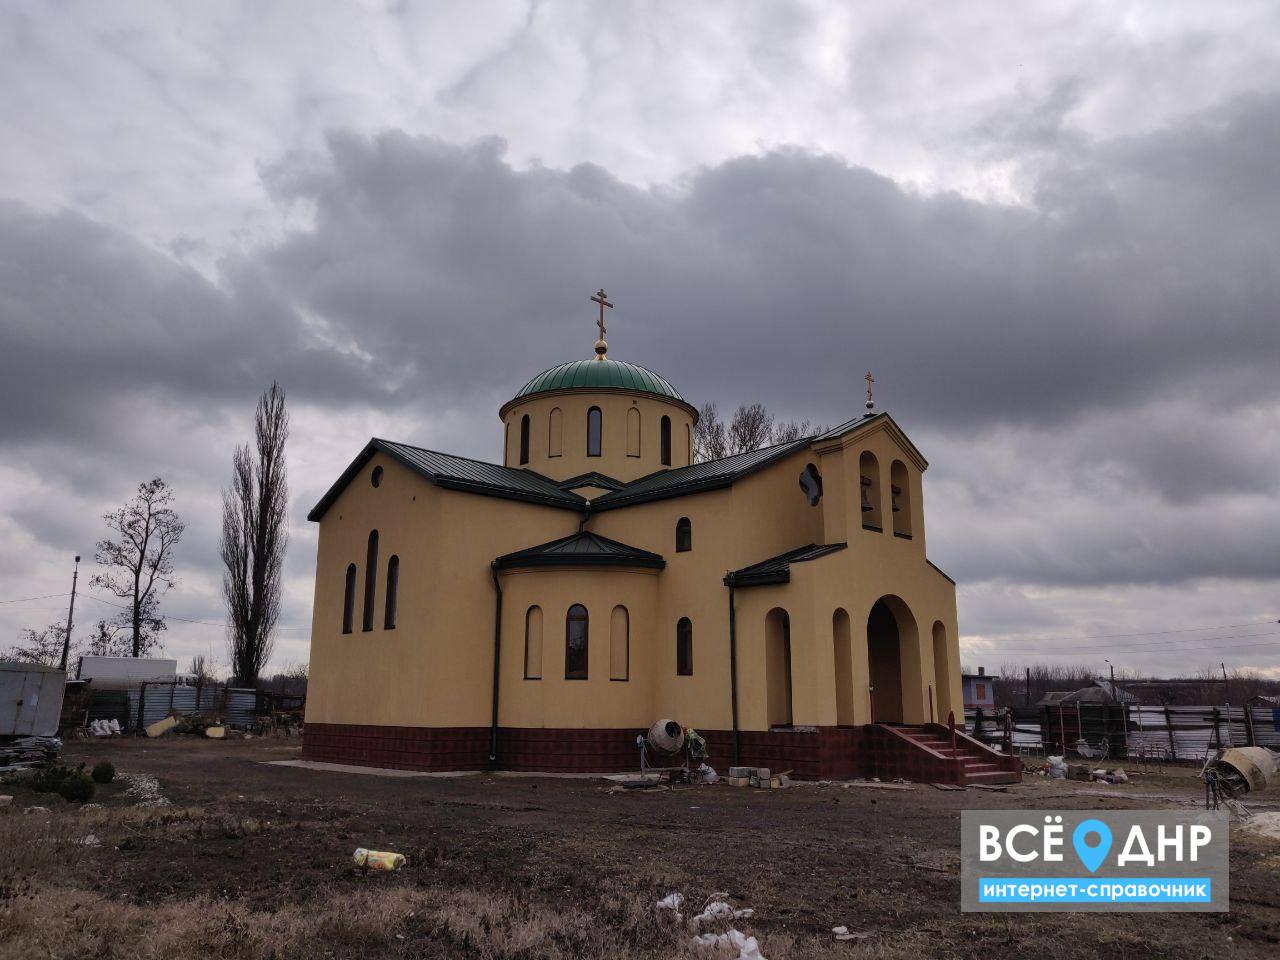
x=884 y=662
x=842 y=639
x=893 y=663
x=777 y=654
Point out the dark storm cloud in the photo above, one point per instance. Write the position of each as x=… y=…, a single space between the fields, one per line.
x=1092 y=374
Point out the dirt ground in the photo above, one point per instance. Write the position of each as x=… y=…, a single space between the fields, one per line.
x=248 y=859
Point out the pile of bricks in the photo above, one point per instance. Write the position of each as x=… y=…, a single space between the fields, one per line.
x=760 y=777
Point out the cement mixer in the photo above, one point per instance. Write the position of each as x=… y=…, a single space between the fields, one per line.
x=669 y=748
x=1242 y=770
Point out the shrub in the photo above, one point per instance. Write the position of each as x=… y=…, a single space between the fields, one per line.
x=104 y=772
x=50 y=778
x=76 y=788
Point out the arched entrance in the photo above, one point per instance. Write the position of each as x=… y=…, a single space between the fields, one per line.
x=884 y=661
x=893 y=663
x=777 y=654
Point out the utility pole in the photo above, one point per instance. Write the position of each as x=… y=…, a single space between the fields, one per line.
x=1226 y=690
x=1113 y=678
x=1028 y=690
x=71 y=612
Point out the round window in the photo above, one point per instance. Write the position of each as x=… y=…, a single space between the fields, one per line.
x=377 y=476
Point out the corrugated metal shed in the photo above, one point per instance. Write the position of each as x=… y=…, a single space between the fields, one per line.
x=30 y=699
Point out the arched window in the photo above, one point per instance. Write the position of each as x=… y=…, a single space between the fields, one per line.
x=533 y=643
x=524 y=439
x=393 y=581
x=370 y=578
x=555 y=433
x=869 y=479
x=575 y=643
x=666 y=441
x=684 y=648
x=594 y=427
x=633 y=431
x=349 y=599
x=900 y=488
x=620 y=644
x=684 y=535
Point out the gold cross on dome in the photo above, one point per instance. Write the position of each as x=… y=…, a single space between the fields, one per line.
x=601 y=298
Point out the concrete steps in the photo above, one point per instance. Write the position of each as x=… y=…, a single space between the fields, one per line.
x=979 y=765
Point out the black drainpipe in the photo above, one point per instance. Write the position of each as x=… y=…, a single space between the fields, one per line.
x=733 y=677
x=497 y=655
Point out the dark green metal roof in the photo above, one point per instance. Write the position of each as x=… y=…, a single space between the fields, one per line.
x=581 y=549
x=457 y=473
x=778 y=569
x=606 y=373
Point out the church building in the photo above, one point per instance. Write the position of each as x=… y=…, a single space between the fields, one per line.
x=538 y=614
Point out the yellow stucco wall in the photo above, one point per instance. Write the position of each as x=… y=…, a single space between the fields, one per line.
x=614 y=461
x=435 y=668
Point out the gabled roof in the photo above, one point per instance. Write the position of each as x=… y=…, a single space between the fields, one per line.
x=778 y=569
x=710 y=475
x=457 y=473
x=591 y=479
x=579 y=549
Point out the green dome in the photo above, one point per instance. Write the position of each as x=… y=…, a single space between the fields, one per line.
x=600 y=372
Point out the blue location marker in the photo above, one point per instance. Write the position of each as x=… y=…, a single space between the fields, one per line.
x=1092 y=855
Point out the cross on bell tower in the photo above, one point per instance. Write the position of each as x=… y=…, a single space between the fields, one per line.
x=871 y=404
x=601 y=298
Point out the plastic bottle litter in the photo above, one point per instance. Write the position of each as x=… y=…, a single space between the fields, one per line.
x=378 y=859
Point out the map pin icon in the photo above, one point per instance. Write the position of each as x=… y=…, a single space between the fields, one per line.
x=1091 y=855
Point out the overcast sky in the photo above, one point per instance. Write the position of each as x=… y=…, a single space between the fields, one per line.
x=1051 y=232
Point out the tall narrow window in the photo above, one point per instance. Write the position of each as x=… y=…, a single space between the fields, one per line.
x=349 y=599
x=575 y=643
x=665 y=441
x=533 y=643
x=555 y=433
x=869 y=485
x=370 y=578
x=633 y=431
x=684 y=648
x=619 y=644
x=594 y=427
x=524 y=439
x=393 y=581
x=900 y=488
x=684 y=535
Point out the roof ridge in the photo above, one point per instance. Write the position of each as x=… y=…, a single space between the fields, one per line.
x=459 y=456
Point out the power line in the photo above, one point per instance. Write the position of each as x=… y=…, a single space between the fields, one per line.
x=1147 y=643
x=1149 y=633
x=1159 y=646
x=170 y=616
x=47 y=596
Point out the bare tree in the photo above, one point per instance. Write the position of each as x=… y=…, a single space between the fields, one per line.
x=710 y=440
x=39 y=646
x=751 y=427
x=254 y=536
x=199 y=668
x=140 y=563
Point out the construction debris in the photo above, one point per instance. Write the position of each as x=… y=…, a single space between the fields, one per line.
x=843 y=933
x=215 y=733
x=161 y=727
x=748 y=947
x=378 y=859
x=27 y=752
x=760 y=777
x=105 y=728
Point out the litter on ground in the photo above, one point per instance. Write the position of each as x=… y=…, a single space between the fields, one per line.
x=378 y=859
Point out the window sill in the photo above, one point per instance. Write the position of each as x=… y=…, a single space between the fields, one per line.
x=873 y=528
x=533 y=678
x=902 y=536
x=619 y=679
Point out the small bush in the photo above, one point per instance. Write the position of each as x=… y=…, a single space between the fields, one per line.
x=50 y=778
x=76 y=788
x=104 y=772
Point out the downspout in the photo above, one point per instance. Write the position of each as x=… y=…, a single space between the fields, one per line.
x=733 y=678
x=497 y=655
